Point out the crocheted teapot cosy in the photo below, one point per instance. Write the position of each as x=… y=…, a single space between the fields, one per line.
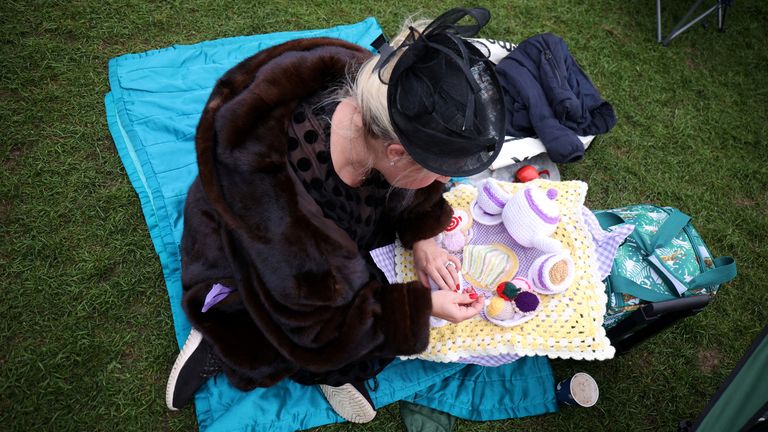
x=530 y=215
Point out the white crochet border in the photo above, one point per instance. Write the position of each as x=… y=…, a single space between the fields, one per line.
x=606 y=353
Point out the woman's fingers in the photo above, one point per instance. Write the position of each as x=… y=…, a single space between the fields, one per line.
x=455 y=307
x=423 y=278
x=435 y=263
x=469 y=310
x=456 y=263
x=453 y=272
x=446 y=278
x=449 y=273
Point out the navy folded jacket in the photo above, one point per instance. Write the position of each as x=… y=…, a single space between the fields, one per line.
x=549 y=96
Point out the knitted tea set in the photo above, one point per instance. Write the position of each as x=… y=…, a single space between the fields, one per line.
x=530 y=216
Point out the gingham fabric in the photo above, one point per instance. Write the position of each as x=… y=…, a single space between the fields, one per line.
x=606 y=242
x=606 y=245
x=567 y=325
x=384 y=257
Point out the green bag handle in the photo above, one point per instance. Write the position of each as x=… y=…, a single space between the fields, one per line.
x=608 y=219
x=671 y=227
x=724 y=271
x=622 y=285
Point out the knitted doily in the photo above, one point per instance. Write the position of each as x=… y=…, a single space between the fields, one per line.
x=568 y=324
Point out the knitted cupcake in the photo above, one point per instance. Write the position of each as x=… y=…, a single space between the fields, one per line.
x=531 y=217
x=552 y=273
x=513 y=303
x=458 y=233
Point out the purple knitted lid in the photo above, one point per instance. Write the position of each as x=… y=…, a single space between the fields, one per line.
x=552 y=220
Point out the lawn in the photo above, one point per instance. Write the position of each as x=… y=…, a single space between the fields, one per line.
x=87 y=332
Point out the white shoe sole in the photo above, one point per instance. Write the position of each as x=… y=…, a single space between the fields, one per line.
x=193 y=340
x=348 y=403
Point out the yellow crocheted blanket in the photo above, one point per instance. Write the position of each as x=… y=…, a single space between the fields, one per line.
x=567 y=325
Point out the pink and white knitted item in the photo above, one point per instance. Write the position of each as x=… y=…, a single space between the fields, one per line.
x=458 y=233
x=531 y=217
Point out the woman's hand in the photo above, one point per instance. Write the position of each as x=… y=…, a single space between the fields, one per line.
x=455 y=307
x=431 y=261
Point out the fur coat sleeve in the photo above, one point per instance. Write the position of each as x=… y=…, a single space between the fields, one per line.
x=304 y=298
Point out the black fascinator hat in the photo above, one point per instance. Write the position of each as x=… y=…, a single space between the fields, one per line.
x=443 y=96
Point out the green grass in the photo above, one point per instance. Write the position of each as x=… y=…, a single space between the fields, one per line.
x=86 y=329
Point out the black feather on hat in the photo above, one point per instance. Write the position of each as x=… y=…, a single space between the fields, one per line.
x=444 y=98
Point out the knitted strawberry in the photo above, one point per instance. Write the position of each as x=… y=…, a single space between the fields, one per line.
x=511 y=300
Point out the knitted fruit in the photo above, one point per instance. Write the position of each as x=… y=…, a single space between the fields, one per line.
x=500 y=309
x=511 y=300
x=507 y=290
x=526 y=302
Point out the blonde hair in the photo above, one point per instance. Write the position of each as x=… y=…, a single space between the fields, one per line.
x=368 y=89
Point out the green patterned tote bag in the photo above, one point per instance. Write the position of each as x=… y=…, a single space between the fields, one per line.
x=664 y=259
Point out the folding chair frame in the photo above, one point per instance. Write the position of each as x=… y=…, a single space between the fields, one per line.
x=685 y=23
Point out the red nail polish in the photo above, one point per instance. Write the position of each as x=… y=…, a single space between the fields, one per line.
x=473 y=296
x=458 y=287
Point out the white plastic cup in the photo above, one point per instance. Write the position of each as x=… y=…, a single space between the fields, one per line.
x=578 y=390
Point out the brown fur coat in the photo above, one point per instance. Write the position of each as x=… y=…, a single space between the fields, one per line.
x=304 y=298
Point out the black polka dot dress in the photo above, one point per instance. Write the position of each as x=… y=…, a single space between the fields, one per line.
x=360 y=210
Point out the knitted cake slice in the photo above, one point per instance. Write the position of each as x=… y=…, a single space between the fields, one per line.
x=485 y=266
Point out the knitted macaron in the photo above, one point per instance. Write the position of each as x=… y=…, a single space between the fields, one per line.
x=552 y=273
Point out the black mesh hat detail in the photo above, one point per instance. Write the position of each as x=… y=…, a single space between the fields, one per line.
x=444 y=98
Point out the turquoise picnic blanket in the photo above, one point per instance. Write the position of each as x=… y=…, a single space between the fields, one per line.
x=153 y=107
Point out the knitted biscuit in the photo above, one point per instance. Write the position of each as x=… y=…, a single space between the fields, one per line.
x=485 y=266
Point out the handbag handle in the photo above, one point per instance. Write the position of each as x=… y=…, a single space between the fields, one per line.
x=607 y=219
x=724 y=271
x=668 y=230
x=671 y=227
x=622 y=285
